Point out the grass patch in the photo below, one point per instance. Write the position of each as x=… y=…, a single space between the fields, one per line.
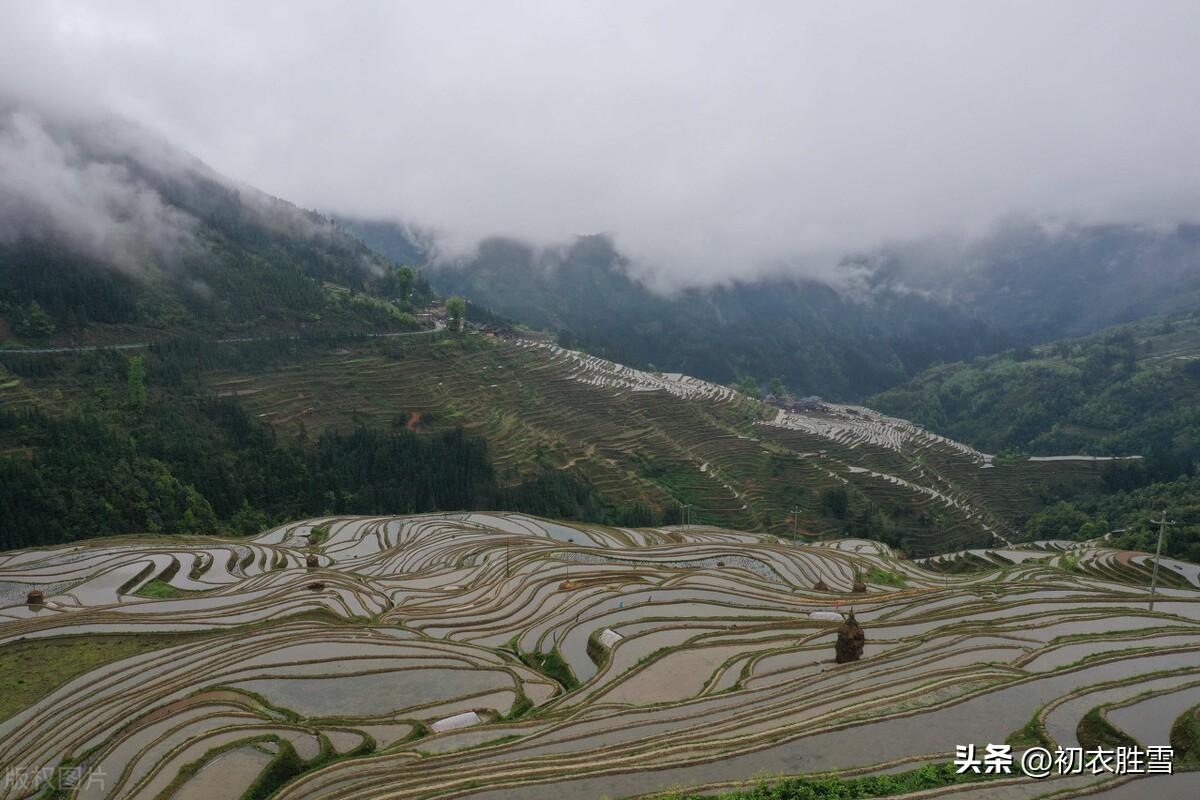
x=522 y=706
x=884 y=578
x=318 y=535
x=31 y=669
x=1095 y=731
x=597 y=652
x=162 y=590
x=552 y=666
x=1032 y=735
x=1185 y=736
x=285 y=766
x=930 y=776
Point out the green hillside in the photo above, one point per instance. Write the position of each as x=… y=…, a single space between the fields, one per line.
x=177 y=248
x=877 y=321
x=818 y=339
x=310 y=411
x=1130 y=390
x=562 y=434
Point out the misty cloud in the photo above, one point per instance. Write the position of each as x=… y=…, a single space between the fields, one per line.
x=711 y=140
x=113 y=190
x=52 y=188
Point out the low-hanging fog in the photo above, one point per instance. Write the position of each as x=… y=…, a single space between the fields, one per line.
x=711 y=140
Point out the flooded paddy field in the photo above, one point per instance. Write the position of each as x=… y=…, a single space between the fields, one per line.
x=504 y=656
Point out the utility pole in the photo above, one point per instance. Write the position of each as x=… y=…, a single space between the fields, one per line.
x=1162 y=523
x=506 y=558
x=795 y=523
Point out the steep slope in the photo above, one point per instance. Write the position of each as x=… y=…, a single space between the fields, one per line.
x=1128 y=390
x=820 y=341
x=671 y=444
x=107 y=232
x=1042 y=282
x=894 y=313
x=1131 y=390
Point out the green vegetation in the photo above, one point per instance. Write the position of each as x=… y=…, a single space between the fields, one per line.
x=835 y=500
x=817 y=340
x=1033 y=734
x=1127 y=391
x=136 y=379
x=407 y=288
x=31 y=669
x=551 y=665
x=159 y=588
x=930 y=776
x=1185 y=737
x=250 y=263
x=748 y=386
x=31 y=321
x=520 y=707
x=596 y=651
x=885 y=578
x=234 y=437
x=187 y=462
x=1130 y=514
x=1096 y=731
x=318 y=535
x=286 y=765
x=456 y=310
x=1021 y=285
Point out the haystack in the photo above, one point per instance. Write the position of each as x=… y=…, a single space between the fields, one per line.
x=35 y=598
x=850 y=640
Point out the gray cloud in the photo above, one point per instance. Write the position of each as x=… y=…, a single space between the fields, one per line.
x=113 y=190
x=711 y=140
x=53 y=186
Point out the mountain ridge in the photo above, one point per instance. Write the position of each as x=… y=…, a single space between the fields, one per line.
x=888 y=316
x=111 y=232
x=643 y=445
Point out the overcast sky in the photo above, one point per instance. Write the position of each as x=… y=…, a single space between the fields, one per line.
x=710 y=139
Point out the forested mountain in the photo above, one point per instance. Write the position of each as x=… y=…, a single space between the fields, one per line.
x=1128 y=390
x=819 y=340
x=147 y=243
x=109 y=232
x=892 y=314
x=1132 y=390
x=192 y=435
x=1036 y=283
x=101 y=442
x=106 y=230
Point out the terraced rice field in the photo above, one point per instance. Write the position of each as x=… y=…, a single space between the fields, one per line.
x=666 y=438
x=494 y=655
